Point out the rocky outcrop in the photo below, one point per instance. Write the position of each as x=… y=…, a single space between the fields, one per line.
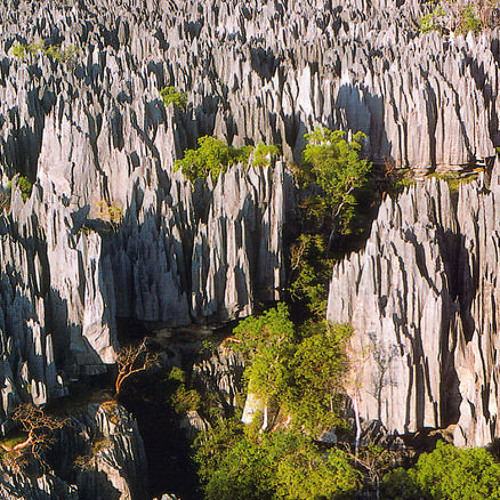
x=111 y=230
x=221 y=375
x=423 y=300
x=100 y=455
x=115 y=463
x=398 y=295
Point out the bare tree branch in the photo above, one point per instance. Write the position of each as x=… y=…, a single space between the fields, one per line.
x=132 y=360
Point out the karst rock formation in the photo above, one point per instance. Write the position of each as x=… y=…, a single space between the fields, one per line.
x=111 y=231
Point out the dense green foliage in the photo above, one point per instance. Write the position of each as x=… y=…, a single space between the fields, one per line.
x=279 y=465
x=447 y=473
x=263 y=154
x=317 y=368
x=181 y=397
x=170 y=95
x=299 y=370
x=336 y=166
x=431 y=21
x=211 y=158
x=67 y=55
x=310 y=271
x=460 y=16
x=268 y=342
x=25 y=187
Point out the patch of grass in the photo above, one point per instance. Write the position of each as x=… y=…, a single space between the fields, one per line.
x=453 y=179
x=80 y=398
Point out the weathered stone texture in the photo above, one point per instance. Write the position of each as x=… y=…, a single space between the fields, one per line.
x=423 y=298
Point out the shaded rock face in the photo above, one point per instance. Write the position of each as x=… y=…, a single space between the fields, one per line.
x=221 y=375
x=423 y=299
x=100 y=456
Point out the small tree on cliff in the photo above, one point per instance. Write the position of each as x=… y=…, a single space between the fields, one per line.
x=132 y=360
x=336 y=166
x=40 y=429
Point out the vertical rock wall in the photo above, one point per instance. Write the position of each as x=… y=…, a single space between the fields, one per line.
x=423 y=299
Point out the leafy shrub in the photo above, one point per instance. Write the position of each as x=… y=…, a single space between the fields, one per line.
x=182 y=398
x=469 y=21
x=212 y=157
x=432 y=21
x=263 y=154
x=108 y=212
x=447 y=473
x=19 y=50
x=460 y=16
x=170 y=95
x=25 y=186
x=67 y=56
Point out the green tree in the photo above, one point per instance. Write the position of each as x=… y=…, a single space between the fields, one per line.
x=301 y=373
x=305 y=473
x=279 y=465
x=212 y=157
x=335 y=165
x=448 y=473
x=267 y=341
x=317 y=370
x=310 y=272
x=232 y=466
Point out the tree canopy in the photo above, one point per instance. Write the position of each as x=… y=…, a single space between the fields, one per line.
x=447 y=473
x=301 y=371
x=279 y=465
x=335 y=164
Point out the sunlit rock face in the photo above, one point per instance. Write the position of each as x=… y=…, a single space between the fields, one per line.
x=423 y=298
x=111 y=231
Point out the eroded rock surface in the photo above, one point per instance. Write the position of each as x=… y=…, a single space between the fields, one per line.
x=111 y=231
x=423 y=298
x=100 y=455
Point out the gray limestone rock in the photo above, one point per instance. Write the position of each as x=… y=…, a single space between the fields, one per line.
x=103 y=445
x=423 y=300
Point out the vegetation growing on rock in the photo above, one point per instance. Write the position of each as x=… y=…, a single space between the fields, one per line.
x=447 y=473
x=334 y=163
x=282 y=464
x=172 y=96
x=212 y=157
x=25 y=187
x=263 y=154
x=461 y=16
x=67 y=55
x=299 y=369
